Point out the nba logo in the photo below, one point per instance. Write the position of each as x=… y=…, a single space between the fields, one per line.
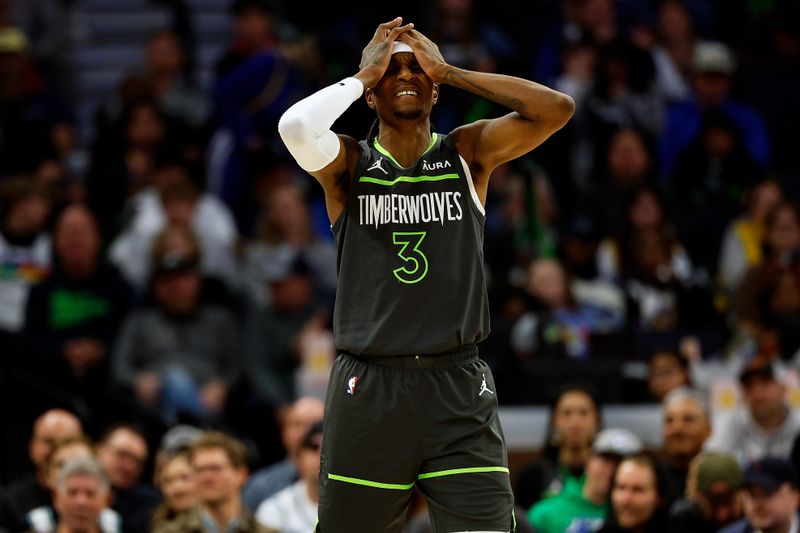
x=351 y=386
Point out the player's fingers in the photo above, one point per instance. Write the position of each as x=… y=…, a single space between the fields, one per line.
x=400 y=30
x=407 y=38
x=383 y=29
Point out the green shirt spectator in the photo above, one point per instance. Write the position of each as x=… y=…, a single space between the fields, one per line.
x=570 y=512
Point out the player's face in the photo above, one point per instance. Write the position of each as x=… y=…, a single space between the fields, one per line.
x=404 y=91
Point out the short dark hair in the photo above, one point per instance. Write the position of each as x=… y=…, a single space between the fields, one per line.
x=113 y=428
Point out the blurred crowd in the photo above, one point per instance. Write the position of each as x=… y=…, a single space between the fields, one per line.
x=177 y=269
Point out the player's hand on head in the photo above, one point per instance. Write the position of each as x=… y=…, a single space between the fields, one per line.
x=427 y=52
x=376 y=55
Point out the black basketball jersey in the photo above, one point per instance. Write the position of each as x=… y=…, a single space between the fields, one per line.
x=410 y=255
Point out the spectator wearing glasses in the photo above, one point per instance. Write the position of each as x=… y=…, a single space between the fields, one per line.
x=220 y=470
x=123 y=453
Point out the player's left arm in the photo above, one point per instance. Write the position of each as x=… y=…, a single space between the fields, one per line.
x=538 y=111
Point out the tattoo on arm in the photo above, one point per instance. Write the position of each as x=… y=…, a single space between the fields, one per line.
x=460 y=80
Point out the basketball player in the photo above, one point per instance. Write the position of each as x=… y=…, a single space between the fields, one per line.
x=409 y=401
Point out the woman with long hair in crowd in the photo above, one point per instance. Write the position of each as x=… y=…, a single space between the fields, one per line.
x=574 y=422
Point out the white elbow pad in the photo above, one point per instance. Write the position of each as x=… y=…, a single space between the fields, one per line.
x=305 y=127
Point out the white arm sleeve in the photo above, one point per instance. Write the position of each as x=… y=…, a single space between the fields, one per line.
x=305 y=127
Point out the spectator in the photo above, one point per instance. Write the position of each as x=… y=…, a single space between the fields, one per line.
x=770 y=498
x=285 y=234
x=711 y=175
x=296 y=421
x=72 y=319
x=173 y=200
x=294 y=509
x=256 y=82
x=54 y=29
x=123 y=453
x=711 y=501
x=672 y=54
x=166 y=61
x=585 y=510
x=765 y=425
x=41 y=121
x=220 y=470
x=50 y=428
x=124 y=157
x=713 y=66
x=274 y=335
x=685 y=429
x=628 y=167
x=770 y=293
x=179 y=354
x=176 y=480
x=25 y=251
x=44 y=519
x=743 y=242
x=645 y=213
x=82 y=496
x=669 y=370
x=558 y=325
x=254 y=31
x=665 y=296
x=574 y=422
x=639 y=501
x=624 y=95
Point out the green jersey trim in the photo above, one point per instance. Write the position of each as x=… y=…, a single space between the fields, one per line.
x=455 y=471
x=407 y=179
x=373 y=484
x=385 y=152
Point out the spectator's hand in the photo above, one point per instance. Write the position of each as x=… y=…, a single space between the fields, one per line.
x=428 y=55
x=376 y=55
x=691 y=348
x=212 y=395
x=82 y=354
x=148 y=388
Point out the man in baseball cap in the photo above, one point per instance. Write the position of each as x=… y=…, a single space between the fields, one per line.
x=764 y=424
x=711 y=500
x=770 y=498
x=586 y=510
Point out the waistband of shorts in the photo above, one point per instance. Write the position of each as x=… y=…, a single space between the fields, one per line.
x=420 y=360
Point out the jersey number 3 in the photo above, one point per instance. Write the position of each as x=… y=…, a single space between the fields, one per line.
x=415 y=264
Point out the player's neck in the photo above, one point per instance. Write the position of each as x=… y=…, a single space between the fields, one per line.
x=406 y=142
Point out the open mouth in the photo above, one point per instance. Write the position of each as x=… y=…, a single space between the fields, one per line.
x=407 y=92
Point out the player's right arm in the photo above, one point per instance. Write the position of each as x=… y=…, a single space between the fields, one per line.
x=305 y=128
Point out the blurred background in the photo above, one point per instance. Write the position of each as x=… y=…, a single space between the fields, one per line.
x=163 y=261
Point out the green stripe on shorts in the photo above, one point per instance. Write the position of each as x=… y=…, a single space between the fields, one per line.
x=472 y=470
x=373 y=484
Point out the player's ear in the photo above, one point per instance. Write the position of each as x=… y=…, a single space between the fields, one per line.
x=369 y=96
x=435 y=93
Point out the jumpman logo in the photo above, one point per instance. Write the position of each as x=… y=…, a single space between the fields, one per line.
x=377 y=165
x=484 y=388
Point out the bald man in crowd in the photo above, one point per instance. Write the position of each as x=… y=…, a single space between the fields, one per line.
x=29 y=493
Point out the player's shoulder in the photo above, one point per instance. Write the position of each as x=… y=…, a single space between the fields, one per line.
x=465 y=138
